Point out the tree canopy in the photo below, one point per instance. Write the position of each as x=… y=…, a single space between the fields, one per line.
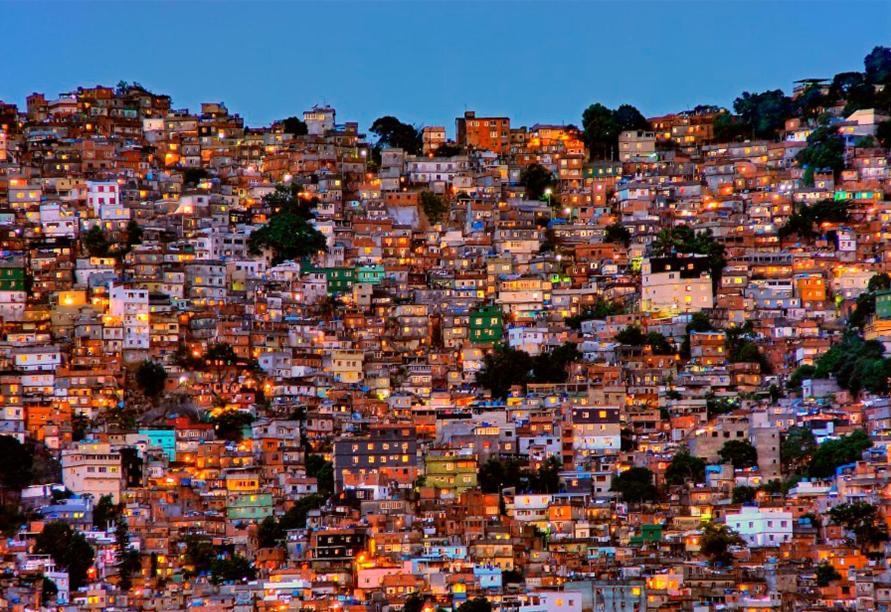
x=536 y=179
x=434 y=206
x=602 y=126
x=289 y=233
x=863 y=520
x=739 y=453
x=635 y=485
x=825 y=151
x=857 y=365
x=797 y=448
x=763 y=113
x=685 y=467
x=616 y=232
x=506 y=367
x=684 y=239
x=151 y=377
x=393 y=133
x=294 y=126
x=834 y=453
x=716 y=542
x=69 y=549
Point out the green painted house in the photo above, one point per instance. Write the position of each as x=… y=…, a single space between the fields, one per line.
x=340 y=280
x=450 y=471
x=165 y=439
x=372 y=275
x=649 y=533
x=486 y=325
x=883 y=304
x=250 y=507
x=12 y=279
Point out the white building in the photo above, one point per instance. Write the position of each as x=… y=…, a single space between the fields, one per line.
x=130 y=307
x=676 y=284
x=761 y=527
x=92 y=468
x=637 y=144
x=37 y=358
x=104 y=198
x=318 y=120
x=528 y=339
x=553 y=601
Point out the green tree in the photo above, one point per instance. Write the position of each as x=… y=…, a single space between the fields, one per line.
x=601 y=309
x=48 y=591
x=601 y=132
x=803 y=220
x=477 y=604
x=391 y=132
x=547 y=478
x=826 y=574
x=685 y=240
x=536 y=178
x=801 y=373
x=740 y=453
x=448 y=150
x=496 y=474
x=684 y=468
x=635 y=485
x=863 y=520
x=269 y=532
x=729 y=127
x=199 y=554
x=879 y=282
x=229 y=424
x=877 y=66
x=434 y=206
x=96 y=242
x=289 y=236
x=825 y=151
x=15 y=468
x=151 y=377
x=834 y=453
x=193 y=176
x=294 y=126
x=323 y=471
x=295 y=517
x=128 y=559
x=743 y=494
x=504 y=368
x=414 y=603
x=69 y=549
x=234 y=568
x=716 y=542
x=797 y=448
x=80 y=425
x=659 y=344
x=220 y=354
x=631 y=336
x=551 y=367
x=134 y=233
x=628 y=118
x=763 y=113
x=105 y=511
x=10 y=520
x=857 y=365
x=602 y=126
x=883 y=133
x=616 y=232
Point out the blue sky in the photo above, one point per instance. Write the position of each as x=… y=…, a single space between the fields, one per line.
x=426 y=61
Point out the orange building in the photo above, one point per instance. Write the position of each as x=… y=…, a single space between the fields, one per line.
x=490 y=133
